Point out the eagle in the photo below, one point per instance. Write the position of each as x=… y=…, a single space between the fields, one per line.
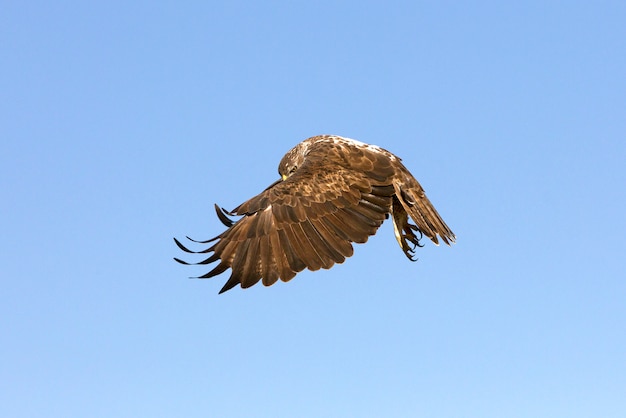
x=332 y=192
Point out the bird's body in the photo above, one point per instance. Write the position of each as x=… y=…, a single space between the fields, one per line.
x=333 y=191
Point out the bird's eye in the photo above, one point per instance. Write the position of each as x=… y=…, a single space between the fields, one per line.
x=293 y=169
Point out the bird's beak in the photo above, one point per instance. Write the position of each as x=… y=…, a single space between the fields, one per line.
x=284 y=176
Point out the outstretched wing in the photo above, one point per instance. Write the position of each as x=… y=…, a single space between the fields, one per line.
x=411 y=200
x=307 y=221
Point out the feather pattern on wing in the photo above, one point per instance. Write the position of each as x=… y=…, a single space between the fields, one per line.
x=333 y=192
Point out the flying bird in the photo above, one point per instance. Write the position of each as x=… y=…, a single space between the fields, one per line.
x=332 y=192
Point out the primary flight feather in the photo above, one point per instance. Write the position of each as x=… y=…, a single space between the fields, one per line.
x=333 y=192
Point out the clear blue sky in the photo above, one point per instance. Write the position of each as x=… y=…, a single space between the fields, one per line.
x=121 y=124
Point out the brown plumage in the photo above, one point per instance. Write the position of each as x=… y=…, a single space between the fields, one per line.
x=333 y=191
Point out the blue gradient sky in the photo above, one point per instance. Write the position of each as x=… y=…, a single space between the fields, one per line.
x=121 y=124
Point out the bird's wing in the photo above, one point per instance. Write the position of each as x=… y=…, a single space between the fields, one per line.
x=307 y=221
x=410 y=198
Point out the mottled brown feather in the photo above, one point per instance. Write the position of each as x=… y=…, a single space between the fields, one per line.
x=333 y=192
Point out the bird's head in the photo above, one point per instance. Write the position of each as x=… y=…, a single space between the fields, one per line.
x=292 y=161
